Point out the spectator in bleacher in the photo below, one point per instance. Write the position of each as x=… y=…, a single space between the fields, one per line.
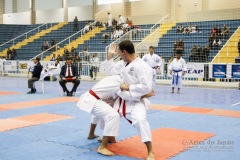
x=94 y=66
x=86 y=54
x=127 y=20
x=14 y=53
x=66 y=53
x=121 y=20
x=53 y=57
x=99 y=24
x=180 y=29
x=199 y=54
x=9 y=54
x=105 y=36
x=205 y=53
x=114 y=23
x=213 y=31
x=175 y=46
x=114 y=34
x=210 y=41
x=59 y=58
x=75 y=23
x=193 y=53
x=194 y=29
x=216 y=42
x=45 y=45
x=53 y=45
x=120 y=32
x=109 y=19
x=225 y=31
x=239 y=47
x=188 y=29
x=36 y=73
x=180 y=45
x=130 y=24
x=73 y=52
x=218 y=31
x=86 y=28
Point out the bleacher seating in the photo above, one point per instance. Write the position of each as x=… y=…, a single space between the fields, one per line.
x=95 y=43
x=9 y=31
x=165 y=45
x=34 y=48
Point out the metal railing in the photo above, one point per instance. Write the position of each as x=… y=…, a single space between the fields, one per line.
x=25 y=35
x=204 y=77
x=144 y=44
x=227 y=44
x=85 y=56
x=137 y=34
x=65 y=41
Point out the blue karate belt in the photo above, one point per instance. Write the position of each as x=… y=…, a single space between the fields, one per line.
x=176 y=71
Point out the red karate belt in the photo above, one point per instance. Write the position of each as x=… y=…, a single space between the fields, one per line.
x=123 y=109
x=93 y=94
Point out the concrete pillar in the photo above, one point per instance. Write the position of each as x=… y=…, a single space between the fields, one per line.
x=14 y=6
x=127 y=8
x=2 y=10
x=205 y=5
x=65 y=7
x=32 y=11
x=94 y=9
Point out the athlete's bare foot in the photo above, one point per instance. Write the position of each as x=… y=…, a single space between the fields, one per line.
x=151 y=156
x=92 y=136
x=111 y=140
x=104 y=151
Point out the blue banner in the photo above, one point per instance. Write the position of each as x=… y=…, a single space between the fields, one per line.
x=219 y=71
x=236 y=71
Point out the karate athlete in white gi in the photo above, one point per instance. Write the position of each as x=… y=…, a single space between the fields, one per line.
x=109 y=19
x=106 y=87
x=138 y=74
x=177 y=69
x=92 y=102
x=154 y=61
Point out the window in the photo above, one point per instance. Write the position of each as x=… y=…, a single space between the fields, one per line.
x=108 y=1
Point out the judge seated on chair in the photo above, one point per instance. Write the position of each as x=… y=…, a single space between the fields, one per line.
x=69 y=73
x=36 y=73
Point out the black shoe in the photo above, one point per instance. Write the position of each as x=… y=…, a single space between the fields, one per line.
x=71 y=94
x=68 y=93
x=29 y=92
x=32 y=91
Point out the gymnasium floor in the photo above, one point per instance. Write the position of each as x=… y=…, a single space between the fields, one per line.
x=198 y=124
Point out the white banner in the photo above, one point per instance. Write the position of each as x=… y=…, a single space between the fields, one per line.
x=195 y=70
x=10 y=65
x=1 y=67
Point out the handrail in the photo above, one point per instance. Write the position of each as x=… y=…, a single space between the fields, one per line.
x=41 y=54
x=218 y=54
x=152 y=31
x=160 y=21
x=23 y=35
x=106 y=48
x=100 y=12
